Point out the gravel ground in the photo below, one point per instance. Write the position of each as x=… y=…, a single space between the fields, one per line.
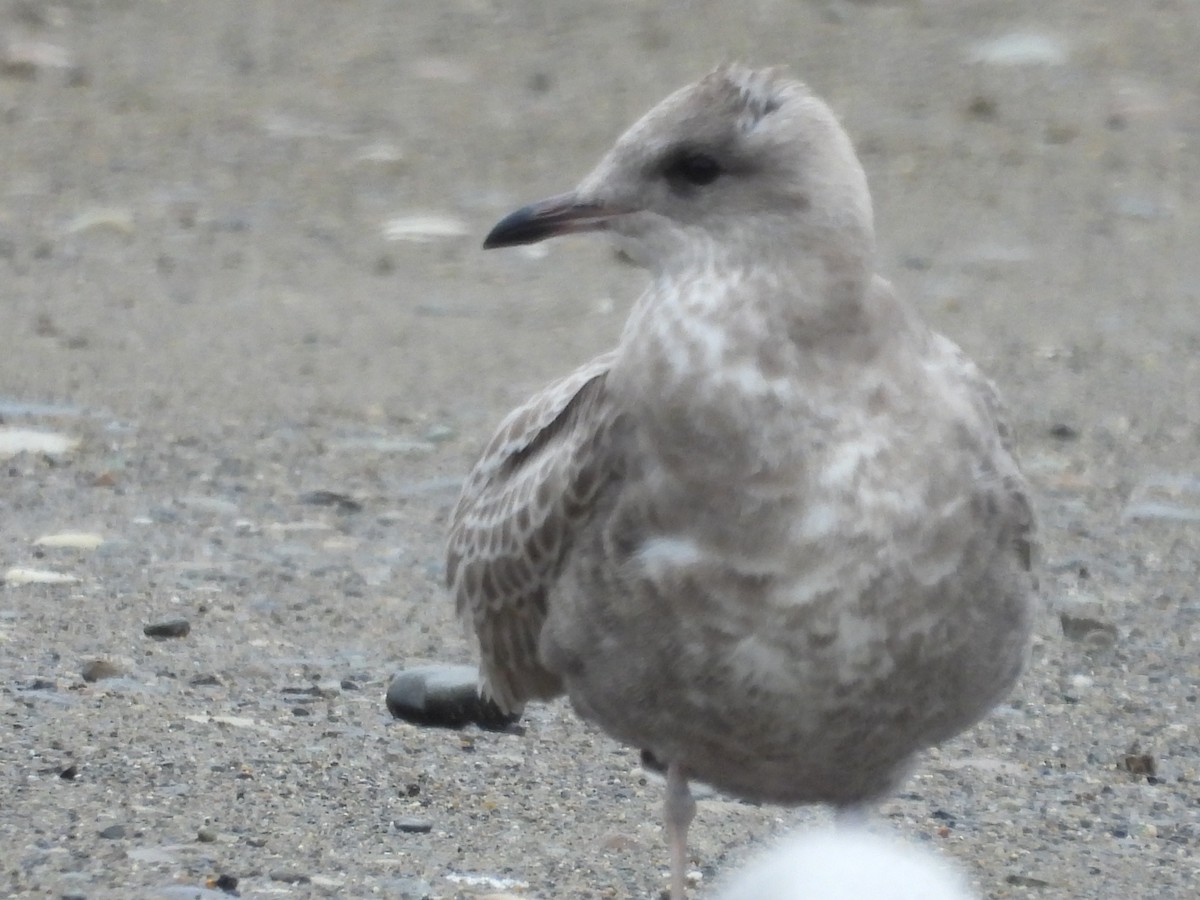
x=211 y=288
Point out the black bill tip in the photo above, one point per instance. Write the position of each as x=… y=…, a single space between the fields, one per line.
x=525 y=226
x=563 y=214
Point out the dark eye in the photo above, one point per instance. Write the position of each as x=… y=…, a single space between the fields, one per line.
x=693 y=167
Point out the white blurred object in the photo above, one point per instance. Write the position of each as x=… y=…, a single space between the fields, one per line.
x=847 y=864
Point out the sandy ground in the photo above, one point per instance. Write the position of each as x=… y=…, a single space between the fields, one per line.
x=197 y=285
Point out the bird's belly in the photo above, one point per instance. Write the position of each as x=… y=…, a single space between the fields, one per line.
x=781 y=692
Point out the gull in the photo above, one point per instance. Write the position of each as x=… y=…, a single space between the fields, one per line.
x=777 y=537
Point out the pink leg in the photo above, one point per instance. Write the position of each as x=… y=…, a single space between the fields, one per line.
x=680 y=808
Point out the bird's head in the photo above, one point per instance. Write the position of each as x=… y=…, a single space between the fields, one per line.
x=742 y=162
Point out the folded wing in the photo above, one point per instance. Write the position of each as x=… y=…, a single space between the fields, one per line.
x=532 y=490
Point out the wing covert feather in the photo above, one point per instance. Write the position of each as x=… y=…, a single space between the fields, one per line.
x=533 y=487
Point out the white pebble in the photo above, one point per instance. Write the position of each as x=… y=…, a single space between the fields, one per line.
x=18 y=575
x=425 y=227
x=1020 y=49
x=75 y=540
x=26 y=440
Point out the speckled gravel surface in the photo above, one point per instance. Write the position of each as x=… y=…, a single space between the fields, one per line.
x=210 y=286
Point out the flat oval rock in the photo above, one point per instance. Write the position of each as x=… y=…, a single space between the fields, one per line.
x=99 y=669
x=171 y=628
x=444 y=696
x=413 y=825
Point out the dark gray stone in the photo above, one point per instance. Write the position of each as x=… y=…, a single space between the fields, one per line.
x=99 y=669
x=170 y=628
x=1087 y=628
x=444 y=696
x=412 y=825
x=288 y=877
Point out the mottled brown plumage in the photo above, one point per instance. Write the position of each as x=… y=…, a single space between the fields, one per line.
x=777 y=537
x=514 y=525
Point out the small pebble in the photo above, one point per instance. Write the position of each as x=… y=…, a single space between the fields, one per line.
x=440 y=433
x=1026 y=881
x=26 y=58
x=20 y=575
x=1166 y=512
x=499 y=883
x=289 y=877
x=1020 y=49
x=1139 y=763
x=344 y=503
x=169 y=628
x=982 y=107
x=10 y=406
x=209 y=505
x=1095 y=633
x=99 y=669
x=116 y=219
x=424 y=227
x=388 y=156
x=411 y=825
x=1063 y=432
x=113 y=832
x=1165 y=496
x=73 y=540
